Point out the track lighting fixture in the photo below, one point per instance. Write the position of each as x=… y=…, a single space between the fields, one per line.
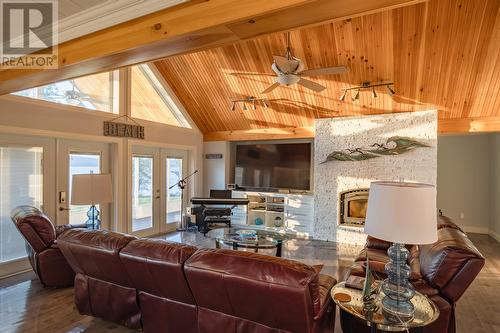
x=391 y=91
x=342 y=97
x=366 y=86
x=249 y=99
x=355 y=96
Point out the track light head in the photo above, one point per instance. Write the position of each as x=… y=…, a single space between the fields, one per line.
x=244 y=106
x=342 y=97
x=356 y=96
x=374 y=94
x=253 y=105
x=391 y=91
x=233 y=106
x=265 y=104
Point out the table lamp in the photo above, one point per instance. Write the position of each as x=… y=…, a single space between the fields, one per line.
x=91 y=189
x=401 y=213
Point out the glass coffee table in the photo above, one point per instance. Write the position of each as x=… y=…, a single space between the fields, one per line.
x=233 y=237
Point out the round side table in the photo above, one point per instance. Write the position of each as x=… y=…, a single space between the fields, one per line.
x=425 y=310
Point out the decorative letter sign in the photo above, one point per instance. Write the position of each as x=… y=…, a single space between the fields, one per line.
x=123 y=130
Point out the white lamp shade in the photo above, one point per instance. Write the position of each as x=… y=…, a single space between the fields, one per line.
x=91 y=189
x=401 y=212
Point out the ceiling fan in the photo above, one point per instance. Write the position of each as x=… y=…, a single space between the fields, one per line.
x=290 y=70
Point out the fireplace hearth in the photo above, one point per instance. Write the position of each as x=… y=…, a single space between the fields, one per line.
x=353 y=204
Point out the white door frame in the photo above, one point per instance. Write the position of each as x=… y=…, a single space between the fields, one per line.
x=159 y=156
x=64 y=149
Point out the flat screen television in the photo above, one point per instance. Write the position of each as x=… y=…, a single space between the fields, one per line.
x=273 y=166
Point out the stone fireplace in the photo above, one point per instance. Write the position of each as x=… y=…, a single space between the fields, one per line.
x=340 y=194
x=352 y=207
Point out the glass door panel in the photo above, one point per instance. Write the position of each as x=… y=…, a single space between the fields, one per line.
x=173 y=198
x=142 y=192
x=21 y=183
x=81 y=163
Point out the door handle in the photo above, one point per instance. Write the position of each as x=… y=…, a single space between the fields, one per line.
x=63 y=209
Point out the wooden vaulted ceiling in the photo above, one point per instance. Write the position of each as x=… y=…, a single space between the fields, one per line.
x=442 y=54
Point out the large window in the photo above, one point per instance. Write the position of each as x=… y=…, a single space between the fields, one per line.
x=142 y=192
x=95 y=92
x=150 y=100
x=174 y=204
x=21 y=183
x=81 y=163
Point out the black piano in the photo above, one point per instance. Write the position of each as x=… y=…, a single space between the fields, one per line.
x=215 y=210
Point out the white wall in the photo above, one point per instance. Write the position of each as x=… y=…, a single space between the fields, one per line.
x=22 y=116
x=215 y=171
x=494 y=202
x=463 y=185
x=334 y=177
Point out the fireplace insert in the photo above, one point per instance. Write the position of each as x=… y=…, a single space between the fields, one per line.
x=353 y=204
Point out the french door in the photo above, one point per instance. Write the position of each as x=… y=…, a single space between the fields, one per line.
x=80 y=157
x=156 y=201
x=21 y=183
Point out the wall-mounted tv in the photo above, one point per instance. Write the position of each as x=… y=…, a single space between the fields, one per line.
x=273 y=166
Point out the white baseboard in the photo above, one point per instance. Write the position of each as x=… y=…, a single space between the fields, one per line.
x=495 y=235
x=475 y=230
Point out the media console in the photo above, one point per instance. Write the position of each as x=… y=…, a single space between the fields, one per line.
x=283 y=212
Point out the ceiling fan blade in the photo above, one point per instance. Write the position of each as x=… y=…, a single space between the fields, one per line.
x=324 y=71
x=271 y=88
x=286 y=65
x=251 y=73
x=311 y=85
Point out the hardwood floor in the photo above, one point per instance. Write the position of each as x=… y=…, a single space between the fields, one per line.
x=25 y=306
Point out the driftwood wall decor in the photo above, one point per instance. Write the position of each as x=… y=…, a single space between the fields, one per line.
x=395 y=145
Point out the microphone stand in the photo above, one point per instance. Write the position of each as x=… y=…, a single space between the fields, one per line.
x=182 y=185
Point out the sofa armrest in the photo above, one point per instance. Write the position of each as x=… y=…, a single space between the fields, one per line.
x=326 y=283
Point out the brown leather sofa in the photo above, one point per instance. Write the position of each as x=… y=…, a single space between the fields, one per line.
x=41 y=246
x=156 y=268
x=247 y=292
x=103 y=287
x=170 y=287
x=442 y=271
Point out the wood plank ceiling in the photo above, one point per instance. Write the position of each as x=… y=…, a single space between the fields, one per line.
x=442 y=54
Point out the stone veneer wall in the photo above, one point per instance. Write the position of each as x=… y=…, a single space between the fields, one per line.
x=334 y=177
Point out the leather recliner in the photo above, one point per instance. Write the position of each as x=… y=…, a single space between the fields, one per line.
x=443 y=271
x=156 y=267
x=248 y=292
x=42 y=248
x=103 y=287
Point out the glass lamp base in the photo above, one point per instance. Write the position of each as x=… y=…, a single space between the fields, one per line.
x=398 y=312
x=396 y=304
x=93 y=221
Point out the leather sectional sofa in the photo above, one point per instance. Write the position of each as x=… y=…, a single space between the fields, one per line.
x=443 y=271
x=169 y=287
x=41 y=246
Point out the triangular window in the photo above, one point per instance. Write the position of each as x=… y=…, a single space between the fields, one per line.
x=150 y=99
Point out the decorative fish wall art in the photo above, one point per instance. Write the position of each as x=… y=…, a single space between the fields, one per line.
x=395 y=145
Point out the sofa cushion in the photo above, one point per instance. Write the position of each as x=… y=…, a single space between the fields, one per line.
x=246 y=285
x=452 y=263
x=95 y=253
x=156 y=267
x=35 y=226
